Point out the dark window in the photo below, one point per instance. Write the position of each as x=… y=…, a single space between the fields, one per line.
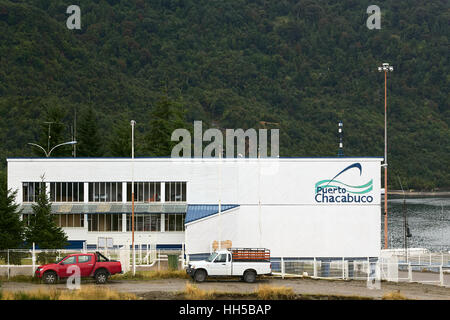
x=144 y=191
x=70 y=260
x=175 y=191
x=144 y=222
x=84 y=259
x=104 y=222
x=105 y=192
x=174 y=222
x=31 y=191
x=66 y=191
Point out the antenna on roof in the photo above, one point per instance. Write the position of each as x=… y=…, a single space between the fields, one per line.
x=341 y=144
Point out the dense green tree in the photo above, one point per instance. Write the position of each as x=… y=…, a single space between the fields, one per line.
x=306 y=64
x=11 y=227
x=166 y=116
x=52 y=131
x=42 y=229
x=120 y=142
x=89 y=139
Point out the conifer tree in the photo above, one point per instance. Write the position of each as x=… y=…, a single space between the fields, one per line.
x=120 y=143
x=42 y=229
x=89 y=140
x=166 y=116
x=11 y=227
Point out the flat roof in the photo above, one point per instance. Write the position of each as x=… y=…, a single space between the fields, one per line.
x=143 y=159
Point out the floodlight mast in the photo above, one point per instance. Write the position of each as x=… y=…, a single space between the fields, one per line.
x=386 y=68
x=133 y=123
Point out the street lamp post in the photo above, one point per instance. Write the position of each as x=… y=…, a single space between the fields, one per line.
x=132 y=122
x=386 y=68
x=48 y=152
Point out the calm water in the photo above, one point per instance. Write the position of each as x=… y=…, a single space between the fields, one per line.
x=428 y=219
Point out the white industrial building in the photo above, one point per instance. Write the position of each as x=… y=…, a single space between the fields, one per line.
x=296 y=207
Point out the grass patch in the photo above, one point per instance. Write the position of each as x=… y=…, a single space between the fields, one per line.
x=263 y=292
x=152 y=275
x=20 y=278
x=394 y=295
x=268 y=292
x=85 y=293
x=192 y=292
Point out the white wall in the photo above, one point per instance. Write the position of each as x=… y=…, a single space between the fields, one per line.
x=282 y=181
x=292 y=231
x=292 y=222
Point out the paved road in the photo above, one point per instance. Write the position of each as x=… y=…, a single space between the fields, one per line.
x=300 y=286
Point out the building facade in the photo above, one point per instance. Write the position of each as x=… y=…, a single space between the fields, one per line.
x=317 y=207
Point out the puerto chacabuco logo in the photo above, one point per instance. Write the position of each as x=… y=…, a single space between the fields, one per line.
x=335 y=191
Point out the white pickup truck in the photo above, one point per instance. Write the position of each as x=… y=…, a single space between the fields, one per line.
x=244 y=263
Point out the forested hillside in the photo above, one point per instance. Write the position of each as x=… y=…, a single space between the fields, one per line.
x=231 y=63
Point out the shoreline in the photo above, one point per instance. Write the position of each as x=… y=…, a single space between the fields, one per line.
x=410 y=194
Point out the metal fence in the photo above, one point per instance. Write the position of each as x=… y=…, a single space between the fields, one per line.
x=25 y=261
x=427 y=268
x=423 y=267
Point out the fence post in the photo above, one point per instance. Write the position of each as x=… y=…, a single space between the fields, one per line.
x=182 y=255
x=347 y=269
x=409 y=272
x=315 y=268
x=159 y=258
x=33 y=260
x=368 y=269
x=8 y=261
x=282 y=268
x=430 y=258
x=441 y=276
x=343 y=268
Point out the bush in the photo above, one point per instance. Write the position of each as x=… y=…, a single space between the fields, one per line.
x=394 y=295
x=15 y=257
x=47 y=257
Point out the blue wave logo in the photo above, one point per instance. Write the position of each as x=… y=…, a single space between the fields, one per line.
x=333 y=183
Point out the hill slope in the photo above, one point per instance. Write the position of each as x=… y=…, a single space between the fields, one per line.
x=302 y=64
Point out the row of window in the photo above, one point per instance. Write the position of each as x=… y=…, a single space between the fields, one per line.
x=113 y=222
x=106 y=191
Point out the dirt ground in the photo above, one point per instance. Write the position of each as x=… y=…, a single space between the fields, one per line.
x=168 y=288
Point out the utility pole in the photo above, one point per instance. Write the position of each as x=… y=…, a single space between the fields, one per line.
x=132 y=195
x=386 y=68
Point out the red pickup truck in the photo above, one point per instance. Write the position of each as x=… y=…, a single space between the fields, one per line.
x=93 y=265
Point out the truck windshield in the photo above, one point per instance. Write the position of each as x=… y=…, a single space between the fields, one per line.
x=61 y=259
x=212 y=257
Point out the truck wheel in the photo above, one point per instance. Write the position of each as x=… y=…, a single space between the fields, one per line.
x=50 y=277
x=101 y=277
x=200 y=275
x=250 y=276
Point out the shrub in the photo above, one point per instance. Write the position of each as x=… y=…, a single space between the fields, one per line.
x=394 y=295
x=267 y=292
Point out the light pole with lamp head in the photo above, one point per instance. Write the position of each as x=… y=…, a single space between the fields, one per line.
x=133 y=123
x=47 y=153
x=386 y=68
